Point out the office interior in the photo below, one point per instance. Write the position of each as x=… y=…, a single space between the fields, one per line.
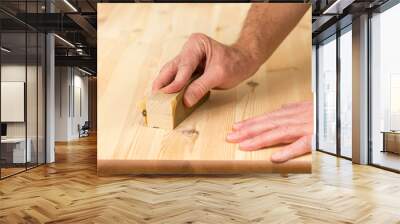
x=48 y=80
x=49 y=91
x=369 y=76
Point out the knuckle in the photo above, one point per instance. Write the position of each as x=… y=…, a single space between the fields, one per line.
x=170 y=64
x=260 y=140
x=202 y=40
x=219 y=70
x=166 y=66
x=245 y=133
x=284 y=129
x=179 y=82
x=284 y=132
x=175 y=61
x=304 y=142
x=273 y=122
x=184 y=66
x=197 y=36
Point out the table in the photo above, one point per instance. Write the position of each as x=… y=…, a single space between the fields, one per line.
x=391 y=141
x=135 y=40
x=17 y=151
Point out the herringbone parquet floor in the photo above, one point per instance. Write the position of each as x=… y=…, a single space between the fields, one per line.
x=69 y=191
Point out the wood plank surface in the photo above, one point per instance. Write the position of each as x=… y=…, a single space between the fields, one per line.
x=167 y=111
x=136 y=40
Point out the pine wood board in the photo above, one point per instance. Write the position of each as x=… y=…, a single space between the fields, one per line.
x=135 y=40
x=167 y=110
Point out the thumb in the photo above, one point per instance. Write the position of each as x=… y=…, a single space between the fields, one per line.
x=196 y=90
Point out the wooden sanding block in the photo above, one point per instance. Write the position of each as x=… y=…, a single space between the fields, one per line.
x=167 y=111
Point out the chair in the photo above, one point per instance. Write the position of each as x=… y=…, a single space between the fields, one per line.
x=84 y=130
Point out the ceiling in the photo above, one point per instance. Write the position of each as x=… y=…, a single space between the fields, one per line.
x=76 y=22
x=329 y=16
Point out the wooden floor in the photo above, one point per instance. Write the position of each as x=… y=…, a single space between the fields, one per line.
x=10 y=171
x=387 y=159
x=69 y=191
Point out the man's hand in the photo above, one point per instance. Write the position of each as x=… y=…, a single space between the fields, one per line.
x=265 y=27
x=292 y=125
x=223 y=67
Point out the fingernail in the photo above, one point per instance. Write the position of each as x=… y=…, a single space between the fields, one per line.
x=236 y=126
x=189 y=100
x=274 y=157
x=232 y=136
x=277 y=157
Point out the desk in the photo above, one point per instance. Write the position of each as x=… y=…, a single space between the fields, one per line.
x=18 y=151
x=391 y=141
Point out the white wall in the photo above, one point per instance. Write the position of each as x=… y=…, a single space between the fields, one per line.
x=16 y=73
x=62 y=82
x=80 y=84
x=70 y=83
x=12 y=101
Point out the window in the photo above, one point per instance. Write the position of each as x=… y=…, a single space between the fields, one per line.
x=346 y=92
x=385 y=89
x=327 y=96
x=22 y=66
x=14 y=149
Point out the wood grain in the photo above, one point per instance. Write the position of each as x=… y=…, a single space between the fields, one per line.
x=136 y=40
x=167 y=111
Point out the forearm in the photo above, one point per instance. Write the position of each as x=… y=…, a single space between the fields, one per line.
x=265 y=27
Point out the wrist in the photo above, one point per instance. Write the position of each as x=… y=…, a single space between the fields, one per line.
x=251 y=55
